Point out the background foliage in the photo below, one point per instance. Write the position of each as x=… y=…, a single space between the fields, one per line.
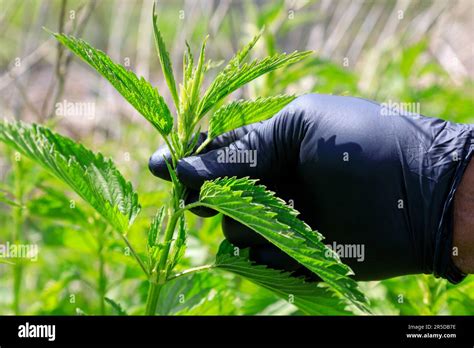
x=363 y=48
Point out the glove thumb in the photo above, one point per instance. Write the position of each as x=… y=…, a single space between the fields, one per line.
x=239 y=159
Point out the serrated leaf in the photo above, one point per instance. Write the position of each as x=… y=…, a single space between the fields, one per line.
x=243 y=52
x=262 y=301
x=198 y=73
x=55 y=205
x=90 y=175
x=236 y=75
x=310 y=298
x=255 y=207
x=165 y=60
x=137 y=91
x=243 y=112
x=185 y=293
x=155 y=228
x=179 y=245
x=188 y=63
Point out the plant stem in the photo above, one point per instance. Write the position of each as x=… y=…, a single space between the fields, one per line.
x=172 y=151
x=102 y=279
x=189 y=206
x=203 y=145
x=17 y=282
x=158 y=276
x=152 y=298
x=102 y=284
x=167 y=241
x=190 y=271
x=159 y=273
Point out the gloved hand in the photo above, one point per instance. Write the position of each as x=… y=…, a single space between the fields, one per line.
x=377 y=183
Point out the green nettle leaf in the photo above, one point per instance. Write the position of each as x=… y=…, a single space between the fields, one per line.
x=80 y=312
x=236 y=75
x=156 y=228
x=154 y=244
x=137 y=91
x=255 y=207
x=90 y=175
x=165 y=60
x=181 y=295
x=198 y=73
x=310 y=298
x=179 y=245
x=243 y=112
x=239 y=57
x=188 y=64
x=190 y=90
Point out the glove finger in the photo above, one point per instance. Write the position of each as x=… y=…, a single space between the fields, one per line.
x=157 y=163
x=238 y=159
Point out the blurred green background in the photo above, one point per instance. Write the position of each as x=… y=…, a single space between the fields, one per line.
x=401 y=51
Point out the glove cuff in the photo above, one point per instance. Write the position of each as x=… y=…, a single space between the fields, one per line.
x=443 y=265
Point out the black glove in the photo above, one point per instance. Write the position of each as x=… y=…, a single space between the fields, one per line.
x=377 y=183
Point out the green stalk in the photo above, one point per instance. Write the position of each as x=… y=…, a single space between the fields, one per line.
x=17 y=282
x=158 y=274
x=17 y=237
x=134 y=254
x=152 y=298
x=203 y=145
x=190 y=271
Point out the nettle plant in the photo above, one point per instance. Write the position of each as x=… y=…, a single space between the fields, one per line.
x=99 y=182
